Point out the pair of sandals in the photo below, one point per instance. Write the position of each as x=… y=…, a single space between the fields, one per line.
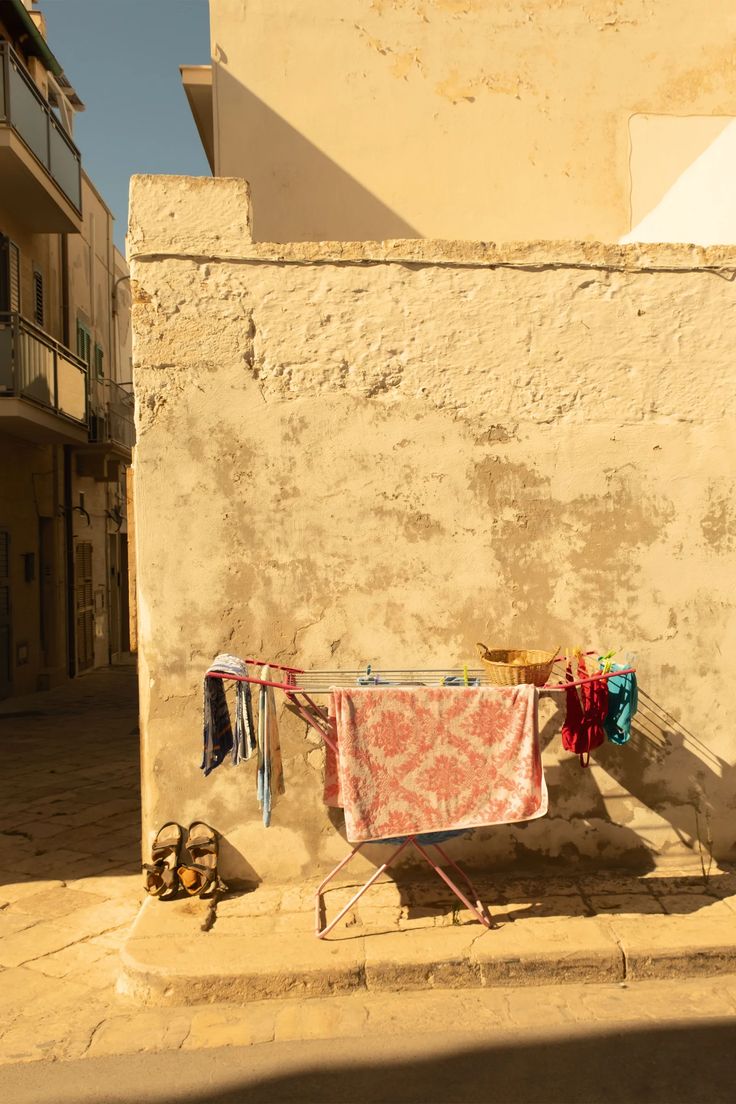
x=166 y=871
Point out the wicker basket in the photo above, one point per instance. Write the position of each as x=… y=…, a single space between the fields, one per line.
x=513 y=666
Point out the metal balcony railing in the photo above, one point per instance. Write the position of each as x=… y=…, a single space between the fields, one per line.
x=36 y=367
x=24 y=109
x=111 y=414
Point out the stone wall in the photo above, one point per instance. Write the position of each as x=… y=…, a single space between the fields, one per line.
x=383 y=452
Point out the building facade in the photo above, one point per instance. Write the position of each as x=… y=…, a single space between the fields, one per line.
x=66 y=428
x=468 y=119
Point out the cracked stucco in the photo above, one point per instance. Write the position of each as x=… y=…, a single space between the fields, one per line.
x=348 y=457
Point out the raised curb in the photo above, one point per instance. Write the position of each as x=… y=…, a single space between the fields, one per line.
x=168 y=958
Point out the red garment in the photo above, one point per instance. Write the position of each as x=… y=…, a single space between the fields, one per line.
x=587 y=707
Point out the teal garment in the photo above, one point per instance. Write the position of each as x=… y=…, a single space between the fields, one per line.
x=623 y=700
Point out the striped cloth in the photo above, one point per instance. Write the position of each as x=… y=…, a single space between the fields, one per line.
x=218 y=733
x=270 y=773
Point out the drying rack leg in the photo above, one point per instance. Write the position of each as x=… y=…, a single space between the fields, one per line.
x=478 y=910
x=320 y=931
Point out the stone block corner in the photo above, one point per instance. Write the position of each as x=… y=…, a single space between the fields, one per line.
x=188 y=216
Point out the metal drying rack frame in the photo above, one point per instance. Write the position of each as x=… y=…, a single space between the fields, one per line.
x=297 y=682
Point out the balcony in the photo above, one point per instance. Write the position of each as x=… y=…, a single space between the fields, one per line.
x=40 y=167
x=43 y=386
x=111 y=417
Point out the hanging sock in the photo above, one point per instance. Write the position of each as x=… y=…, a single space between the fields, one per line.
x=217 y=729
x=623 y=702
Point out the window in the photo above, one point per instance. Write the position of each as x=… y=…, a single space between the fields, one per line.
x=38 y=312
x=84 y=343
x=99 y=362
x=9 y=275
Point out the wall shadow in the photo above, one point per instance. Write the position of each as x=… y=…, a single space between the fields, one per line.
x=298 y=192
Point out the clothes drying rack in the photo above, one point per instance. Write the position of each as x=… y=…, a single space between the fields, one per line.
x=300 y=688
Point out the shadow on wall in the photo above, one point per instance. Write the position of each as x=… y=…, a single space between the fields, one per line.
x=298 y=192
x=700 y=808
x=668 y=770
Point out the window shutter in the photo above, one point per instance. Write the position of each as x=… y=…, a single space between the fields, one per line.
x=9 y=275
x=99 y=362
x=83 y=343
x=38 y=305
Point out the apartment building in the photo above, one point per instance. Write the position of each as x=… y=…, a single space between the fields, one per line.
x=66 y=416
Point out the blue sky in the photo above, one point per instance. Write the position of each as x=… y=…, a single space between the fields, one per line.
x=123 y=57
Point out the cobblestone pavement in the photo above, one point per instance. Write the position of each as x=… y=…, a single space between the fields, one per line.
x=69 y=858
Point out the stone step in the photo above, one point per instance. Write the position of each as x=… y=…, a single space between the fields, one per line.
x=254 y=948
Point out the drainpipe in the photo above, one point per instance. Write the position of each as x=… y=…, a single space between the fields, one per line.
x=71 y=636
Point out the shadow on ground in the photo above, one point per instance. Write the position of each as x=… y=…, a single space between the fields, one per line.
x=685 y=1064
x=71 y=780
x=682 y=1064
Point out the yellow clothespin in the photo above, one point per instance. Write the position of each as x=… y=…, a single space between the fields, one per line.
x=466 y=680
x=607 y=661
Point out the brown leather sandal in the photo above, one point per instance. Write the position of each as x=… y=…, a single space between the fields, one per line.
x=161 y=873
x=199 y=876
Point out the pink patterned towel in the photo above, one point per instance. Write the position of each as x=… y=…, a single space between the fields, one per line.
x=434 y=759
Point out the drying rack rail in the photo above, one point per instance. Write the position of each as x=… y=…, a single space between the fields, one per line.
x=294 y=680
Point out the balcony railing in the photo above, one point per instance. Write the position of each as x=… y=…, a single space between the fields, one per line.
x=35 y=367
x=23 y=107
x=111 y=414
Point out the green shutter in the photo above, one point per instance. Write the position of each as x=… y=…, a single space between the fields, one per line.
x=84 y=343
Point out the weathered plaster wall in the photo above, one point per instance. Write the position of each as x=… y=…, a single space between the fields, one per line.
x=385 y=452
x=456 y=118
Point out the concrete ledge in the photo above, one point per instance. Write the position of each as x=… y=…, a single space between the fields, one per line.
x=261 y=945
x=209 y=218
x=663 y=945
x=543 y=950
x=168 y=959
